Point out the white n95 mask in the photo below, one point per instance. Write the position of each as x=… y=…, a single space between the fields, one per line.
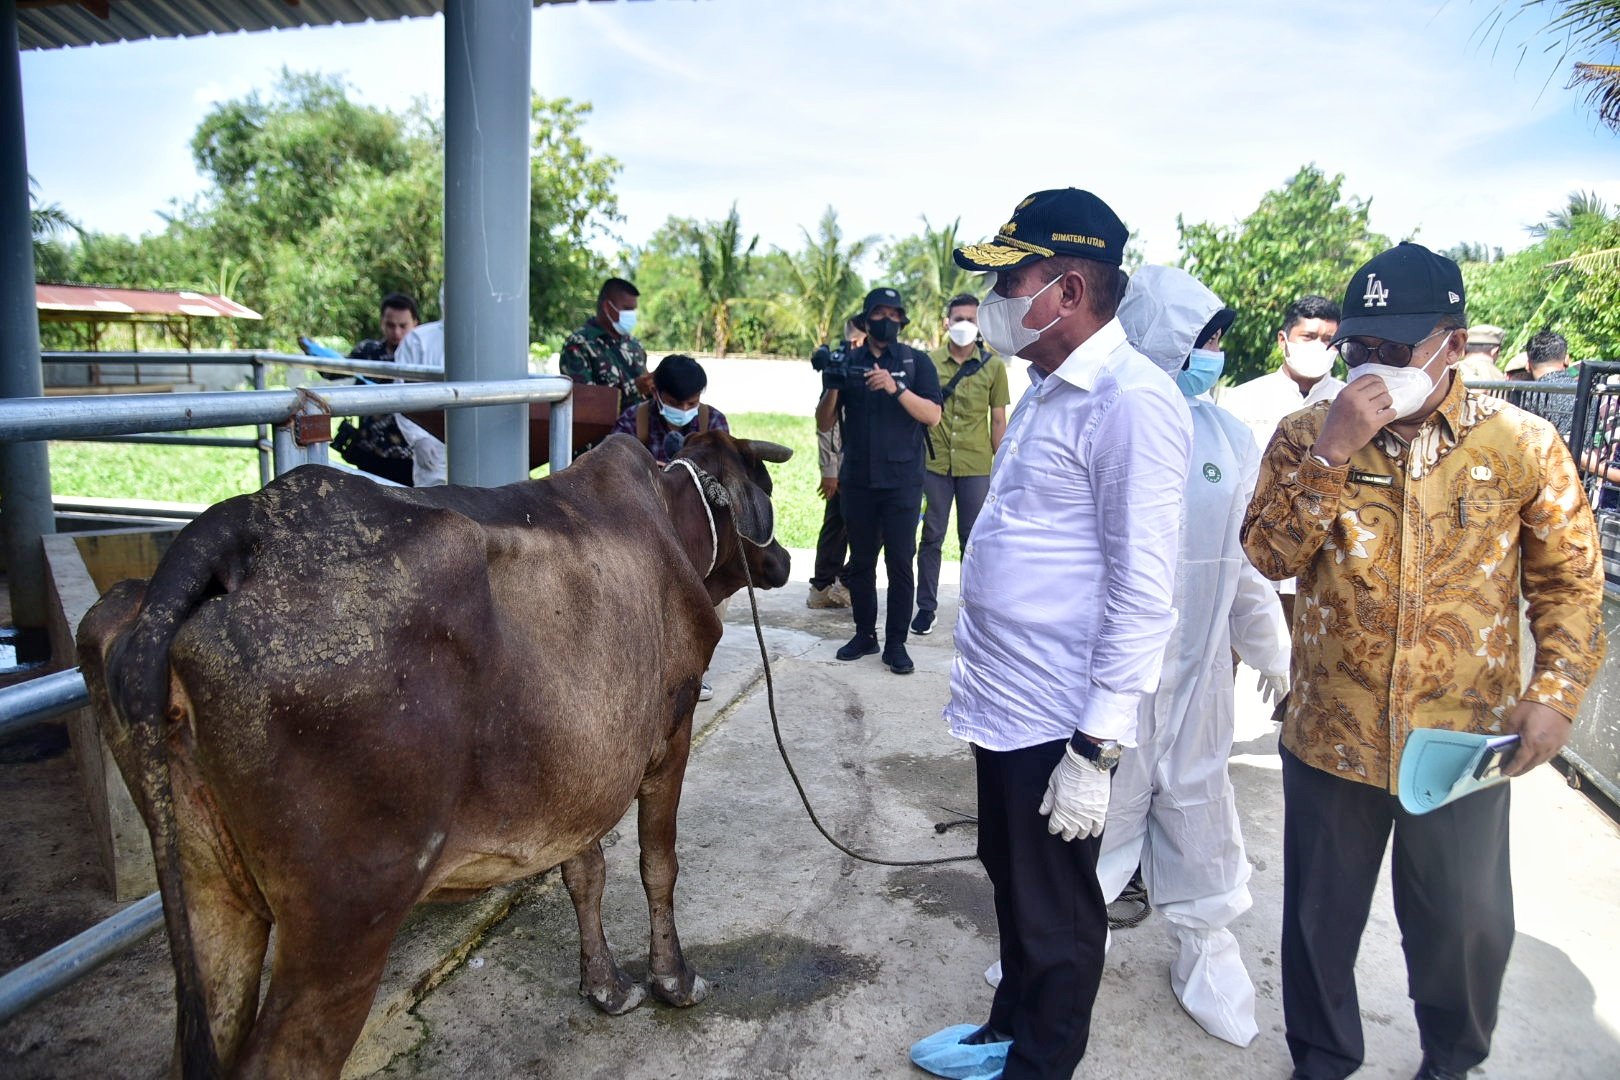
x=1409 y=387
x=1001 y=321
x=963 y=334
x=1309 y=359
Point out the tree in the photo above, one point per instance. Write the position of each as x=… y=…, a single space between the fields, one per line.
x=49 y=224
x=665 y=270
x=1583 y=25
x=321 y=206
x=1566 y=281
x=1581 y=204
x=723 y=266
x=924 y=270
x=571 y=207
x=1469 y=252
x=823 y=287
x=1304 y=237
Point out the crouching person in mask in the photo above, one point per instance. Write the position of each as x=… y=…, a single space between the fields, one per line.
x=674 y=411
x=1172 y=809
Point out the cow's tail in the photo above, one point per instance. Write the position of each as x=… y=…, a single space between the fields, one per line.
x=204 y=562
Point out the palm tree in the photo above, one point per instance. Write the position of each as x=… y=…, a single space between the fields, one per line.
x=47 y=222
x=1583 y=24
x=938 y=278
x=722 y=269
x=825 y=286
x=1581 y=204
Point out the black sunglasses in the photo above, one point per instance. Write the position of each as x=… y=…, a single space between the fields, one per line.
x=1389 y=353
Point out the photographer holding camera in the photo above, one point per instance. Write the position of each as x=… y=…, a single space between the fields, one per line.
x=884 y=398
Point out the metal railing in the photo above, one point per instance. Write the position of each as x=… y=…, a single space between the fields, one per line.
x=25 y=419
x=257 y=362
x=30 y=419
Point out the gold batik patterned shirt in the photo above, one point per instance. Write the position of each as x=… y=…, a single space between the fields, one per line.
x=1410 y=561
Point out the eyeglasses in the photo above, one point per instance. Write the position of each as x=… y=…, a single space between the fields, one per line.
x=1389 y=353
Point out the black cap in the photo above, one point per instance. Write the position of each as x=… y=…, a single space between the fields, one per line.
x=1063 y=221
x=1400 y=294
x=883 y=297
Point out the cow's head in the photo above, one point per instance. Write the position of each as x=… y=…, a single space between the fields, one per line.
x=739 y=497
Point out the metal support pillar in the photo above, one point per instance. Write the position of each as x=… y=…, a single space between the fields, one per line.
x=25 y=469
x=486 y=229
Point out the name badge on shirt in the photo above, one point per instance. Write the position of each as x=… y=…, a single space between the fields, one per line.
x=1371 y=479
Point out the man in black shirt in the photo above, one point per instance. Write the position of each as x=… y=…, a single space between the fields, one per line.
x=884 y=398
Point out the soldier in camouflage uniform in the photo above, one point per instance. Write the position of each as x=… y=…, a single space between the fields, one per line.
x=602 y=351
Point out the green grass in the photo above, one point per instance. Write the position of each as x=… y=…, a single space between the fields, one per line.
x=209 y=474
x=195 y=474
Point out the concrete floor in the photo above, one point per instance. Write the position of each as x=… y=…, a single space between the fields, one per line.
x=826 y=967
x=822 y=966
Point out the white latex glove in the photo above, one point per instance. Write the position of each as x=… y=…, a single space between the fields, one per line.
x=1273 y=687
x=1076 y=797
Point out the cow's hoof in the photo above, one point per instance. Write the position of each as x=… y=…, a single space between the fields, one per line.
x=674 y=990
x=616 y=999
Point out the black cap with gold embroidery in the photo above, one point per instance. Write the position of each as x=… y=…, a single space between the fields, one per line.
x=1063 y=221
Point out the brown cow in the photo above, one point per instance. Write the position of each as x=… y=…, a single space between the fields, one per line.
x=334 y=700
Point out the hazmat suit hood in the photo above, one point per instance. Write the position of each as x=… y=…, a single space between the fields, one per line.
x=1163 y=312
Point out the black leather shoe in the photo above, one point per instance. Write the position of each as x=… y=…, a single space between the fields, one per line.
x=899 y=660
x=1430 y=1071
x=923 y=623
x=858 y=646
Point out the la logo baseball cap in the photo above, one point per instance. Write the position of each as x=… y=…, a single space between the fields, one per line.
x=1400 y=294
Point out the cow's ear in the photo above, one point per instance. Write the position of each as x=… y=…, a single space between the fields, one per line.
x=752 y=510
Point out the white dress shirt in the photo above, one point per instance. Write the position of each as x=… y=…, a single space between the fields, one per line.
x=1067 y=578
x=423 y=348
x=1262 y=403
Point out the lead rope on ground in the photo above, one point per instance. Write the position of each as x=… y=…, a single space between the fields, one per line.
x=781 y=747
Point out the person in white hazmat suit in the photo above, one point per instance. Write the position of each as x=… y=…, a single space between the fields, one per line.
x=1172 y=808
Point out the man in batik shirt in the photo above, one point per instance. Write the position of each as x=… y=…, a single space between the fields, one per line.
x=1411 y=509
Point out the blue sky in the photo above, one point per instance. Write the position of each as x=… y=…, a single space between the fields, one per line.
x=893 y=109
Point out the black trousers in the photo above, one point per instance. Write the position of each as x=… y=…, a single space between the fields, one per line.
x=1453 y=900
x=1050 y=912
x=885 y=517
x=832 y=546
x=968 y=493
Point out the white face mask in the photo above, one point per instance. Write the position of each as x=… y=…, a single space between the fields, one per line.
x=963 y=334
x=1308 y=359
x=1410 y=386
x=1001 y=321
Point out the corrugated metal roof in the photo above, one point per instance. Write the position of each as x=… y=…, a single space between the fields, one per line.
x=95 y=301
x=54 y=24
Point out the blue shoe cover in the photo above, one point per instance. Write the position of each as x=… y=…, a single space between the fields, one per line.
x=944 y=1054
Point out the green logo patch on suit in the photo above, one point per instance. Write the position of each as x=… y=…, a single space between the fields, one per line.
x=1212 y=472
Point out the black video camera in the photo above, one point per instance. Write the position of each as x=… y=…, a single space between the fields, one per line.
x=838 y=370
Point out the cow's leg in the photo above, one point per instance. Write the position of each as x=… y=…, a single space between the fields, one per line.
x=229 y=922
x=600 y=977
x=322 y=981
x=673 y=979
x=228 y=938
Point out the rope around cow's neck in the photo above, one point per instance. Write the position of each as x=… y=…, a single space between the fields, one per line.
x=714 y=537
x=781 y=747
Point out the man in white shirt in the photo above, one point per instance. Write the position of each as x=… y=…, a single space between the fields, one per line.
x=1065 y=607
x=1304 y=378
x=424 y=348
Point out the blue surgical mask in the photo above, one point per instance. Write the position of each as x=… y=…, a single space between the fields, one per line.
x=625 y=321
x=677 y=418
x=1202 y=372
